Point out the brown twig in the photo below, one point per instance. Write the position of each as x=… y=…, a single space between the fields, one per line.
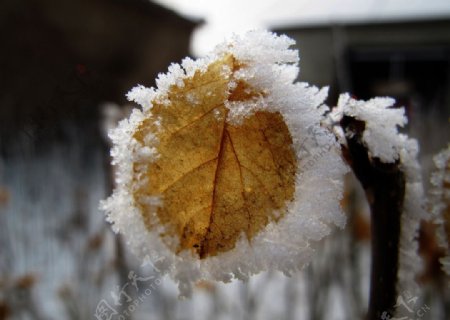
x=384 y=184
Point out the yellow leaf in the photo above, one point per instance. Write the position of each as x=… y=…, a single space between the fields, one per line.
x=217 y=180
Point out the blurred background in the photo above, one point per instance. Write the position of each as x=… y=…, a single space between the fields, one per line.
x=65 y=67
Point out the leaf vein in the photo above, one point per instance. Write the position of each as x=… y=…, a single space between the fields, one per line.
x=186 y=173
x=203 y=248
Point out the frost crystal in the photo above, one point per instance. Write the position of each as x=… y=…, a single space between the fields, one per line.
x=142 y=96
x=382 y=122
x=440 y=202
x=268 y=65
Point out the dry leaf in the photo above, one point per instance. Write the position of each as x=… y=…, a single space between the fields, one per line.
x=216 y=179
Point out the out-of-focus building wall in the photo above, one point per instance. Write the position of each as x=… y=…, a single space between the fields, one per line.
x=407 y=60
x=324 y=49
x=60 y=61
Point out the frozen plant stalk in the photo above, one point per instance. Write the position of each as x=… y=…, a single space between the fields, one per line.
x=215 y=171
x=385 y=162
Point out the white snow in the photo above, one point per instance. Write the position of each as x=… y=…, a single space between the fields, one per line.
x=382 y=121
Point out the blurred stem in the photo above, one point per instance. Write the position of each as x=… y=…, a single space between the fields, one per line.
x=384 y=185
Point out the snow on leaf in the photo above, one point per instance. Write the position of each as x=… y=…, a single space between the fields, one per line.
x=216 y=179
x=226 y=170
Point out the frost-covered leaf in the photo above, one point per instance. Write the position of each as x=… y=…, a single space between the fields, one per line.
x=226 y=171
x=216 y=179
